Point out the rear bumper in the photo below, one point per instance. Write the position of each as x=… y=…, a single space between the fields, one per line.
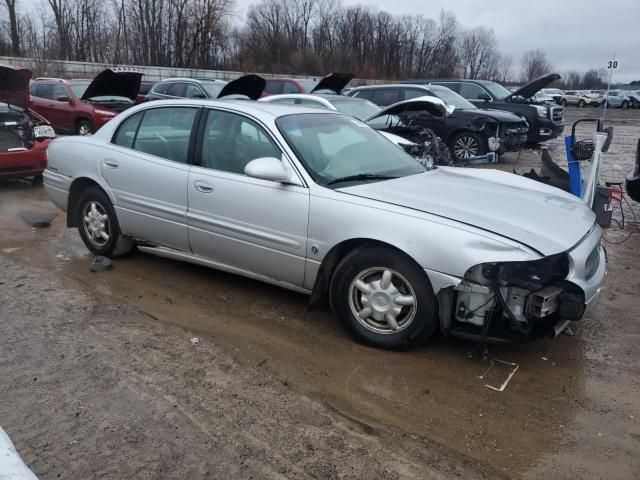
x=57 y=187
x=26 y=163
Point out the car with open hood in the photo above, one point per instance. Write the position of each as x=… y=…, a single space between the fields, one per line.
x=545 y=121
x=334 y=82
x=247 y=86
x=469 y=131
x=319 y=202
x=24 y=135
x=425 y=146
x=83 y=106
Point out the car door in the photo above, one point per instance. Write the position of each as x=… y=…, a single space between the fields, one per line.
x=247 y=224
x=61 y=109
x=147 y=169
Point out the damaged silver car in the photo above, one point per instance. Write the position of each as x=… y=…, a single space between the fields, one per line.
x=320 y=203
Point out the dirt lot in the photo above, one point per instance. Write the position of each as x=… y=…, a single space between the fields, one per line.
x=100 y=378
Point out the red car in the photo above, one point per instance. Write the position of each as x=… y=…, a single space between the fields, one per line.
x=333 y=82
x=83 y=106
x=24 y=135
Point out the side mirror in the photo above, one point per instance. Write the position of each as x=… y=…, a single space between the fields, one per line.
x=484 y=96
x=63 y=98
x=267 y=168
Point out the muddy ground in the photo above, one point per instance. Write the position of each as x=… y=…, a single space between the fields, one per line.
x=99 y=377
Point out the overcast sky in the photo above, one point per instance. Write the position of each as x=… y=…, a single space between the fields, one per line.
x=577 y=35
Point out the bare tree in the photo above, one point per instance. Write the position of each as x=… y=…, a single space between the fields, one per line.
x=505 y=69
x=534 y=65
x=478 y=53
x=13 y=25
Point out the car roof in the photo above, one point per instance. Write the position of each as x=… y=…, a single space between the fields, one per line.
x=258 y=109
x=195 y=80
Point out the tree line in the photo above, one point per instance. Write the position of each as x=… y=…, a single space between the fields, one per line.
x=311 y=37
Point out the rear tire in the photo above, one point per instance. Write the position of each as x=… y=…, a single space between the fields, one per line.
x=400 y=308
x=37 y=180
x=98 y=225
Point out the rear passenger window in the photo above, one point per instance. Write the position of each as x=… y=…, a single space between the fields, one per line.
x=161 y=88
x=44 y=90
x=455 y=86
x=410 y=93
x=176 y=89
x=366 y=94
x=386 y=96
x=165 y=132
x=194 y=91
x=126 y=133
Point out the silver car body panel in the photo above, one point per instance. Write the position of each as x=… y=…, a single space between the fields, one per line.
x=447 y=220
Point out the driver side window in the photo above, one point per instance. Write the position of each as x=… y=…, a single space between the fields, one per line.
x=230 y=141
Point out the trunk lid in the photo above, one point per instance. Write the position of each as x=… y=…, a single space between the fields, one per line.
x=116 y=81
x=14 y=86
x=333 y=82
x=432 y=105
x=251 y=86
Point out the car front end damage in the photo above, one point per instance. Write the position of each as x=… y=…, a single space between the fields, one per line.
x=23 y=143
x=517 y=302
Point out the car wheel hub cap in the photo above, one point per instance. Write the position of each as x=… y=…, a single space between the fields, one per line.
x=382 y=300
x=466 y=147
x=96 y=223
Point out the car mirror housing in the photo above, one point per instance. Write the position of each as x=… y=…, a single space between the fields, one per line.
x=268 y=168
x=484 y=96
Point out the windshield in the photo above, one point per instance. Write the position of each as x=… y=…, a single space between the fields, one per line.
x=212 y=89
x=79 y=89
x=361 y=109
x=336 y=146
x=497 y=90
x=450 y=97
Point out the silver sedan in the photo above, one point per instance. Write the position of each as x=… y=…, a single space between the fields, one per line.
x=320 y=203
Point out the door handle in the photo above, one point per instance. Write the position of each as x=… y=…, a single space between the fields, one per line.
x=203 y=187
x=110 y=163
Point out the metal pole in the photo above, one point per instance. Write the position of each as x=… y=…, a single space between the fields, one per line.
x=606 y=95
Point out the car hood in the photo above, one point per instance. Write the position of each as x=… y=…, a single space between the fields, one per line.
x=334 y=82
x=499 y=115
x=539 y=216
x=14 y=85
x=247 y=85
x=432 y=105
x=117 y=82
x=531 y=88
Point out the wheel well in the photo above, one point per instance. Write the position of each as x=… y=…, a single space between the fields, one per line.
x=320 y=292
x=77 y=187
x=80 y=119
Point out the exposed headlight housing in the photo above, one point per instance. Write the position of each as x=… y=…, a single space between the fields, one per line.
x=493 y=143
x=44 y=131
x=542 y=110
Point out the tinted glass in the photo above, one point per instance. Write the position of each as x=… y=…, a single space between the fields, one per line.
x=231 y=141
x=290 y=87
x=194 y=91
x=454 y=86
x=78 y=90
x=165 y=132
x=386 y=96
x=161 y=88
x=144 y=88
x=59 y=91
x=176 y=89
x=335 y=146
x=496 y=90
x=410 y=93
x=471 y=91
x=274 y=86
x=366 y=94
x=126 y=133
x=44 y=90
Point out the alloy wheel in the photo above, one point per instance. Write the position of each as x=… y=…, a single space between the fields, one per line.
x=466 y=147
x=96 y=223
x=382 y=300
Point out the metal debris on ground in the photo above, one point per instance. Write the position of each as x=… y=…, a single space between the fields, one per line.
x=100 y=264
x=194 y=341
x=511 y=370
x=37 y=220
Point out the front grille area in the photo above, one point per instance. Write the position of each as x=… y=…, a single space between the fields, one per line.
x=10 y=139
x=557 y=114
x=515 y=136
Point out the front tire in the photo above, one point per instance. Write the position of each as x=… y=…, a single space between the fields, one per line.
x=84 y=128
x=581 y=104
x=466 y=145
x=98 y=225
x=384 y=299
x=624 y=105
x=563 y=102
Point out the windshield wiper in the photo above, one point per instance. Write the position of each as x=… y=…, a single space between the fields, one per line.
x=361 y=176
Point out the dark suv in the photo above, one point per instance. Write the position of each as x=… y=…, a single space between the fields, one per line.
x=546 y=120
x=468 y=131
x=83 y=106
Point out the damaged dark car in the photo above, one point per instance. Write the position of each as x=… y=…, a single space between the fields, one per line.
x=469 y=131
